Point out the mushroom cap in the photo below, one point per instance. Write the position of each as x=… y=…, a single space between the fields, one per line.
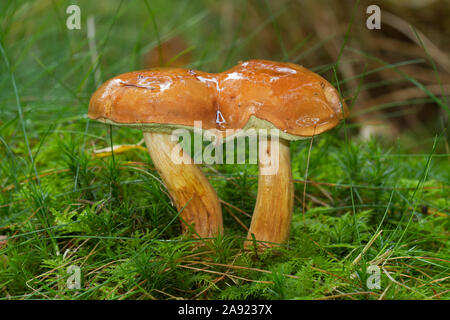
x=157 y=98
x=257 y=94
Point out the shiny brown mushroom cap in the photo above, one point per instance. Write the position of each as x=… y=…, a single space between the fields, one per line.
x=254 y=94
x=157 y=98
x=295 y=100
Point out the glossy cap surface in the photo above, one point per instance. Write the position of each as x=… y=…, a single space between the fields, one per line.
x=254 y=93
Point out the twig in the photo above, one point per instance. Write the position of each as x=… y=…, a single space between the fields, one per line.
x=366 y=247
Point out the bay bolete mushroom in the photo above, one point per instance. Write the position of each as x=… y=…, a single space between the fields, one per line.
x=159 y=101
x=298 y=104
x=257 y=94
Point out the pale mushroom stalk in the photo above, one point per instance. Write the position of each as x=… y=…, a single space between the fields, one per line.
x=272 y=215
x=187 y=185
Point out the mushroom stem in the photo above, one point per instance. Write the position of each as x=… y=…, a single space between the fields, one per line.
x=187 y=185
x=271 y=219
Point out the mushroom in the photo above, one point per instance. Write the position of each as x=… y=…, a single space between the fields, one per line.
x=158 y=101
x=291 y=101
x=296 y=104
